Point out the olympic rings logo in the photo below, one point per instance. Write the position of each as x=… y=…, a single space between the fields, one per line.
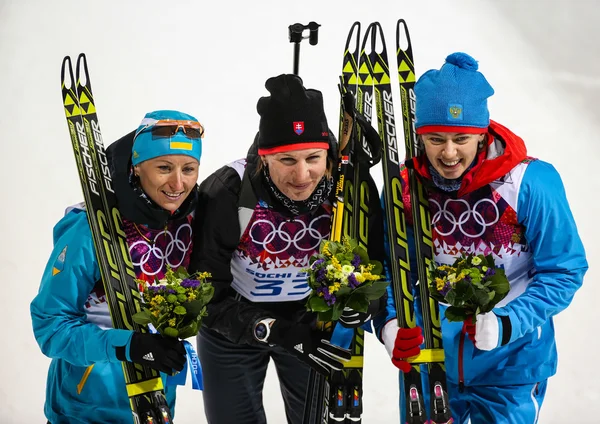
x=289 y=240
x=464 y=217
x=157 y=252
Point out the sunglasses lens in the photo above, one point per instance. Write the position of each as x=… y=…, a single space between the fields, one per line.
x=193 y=133
x=164 y=131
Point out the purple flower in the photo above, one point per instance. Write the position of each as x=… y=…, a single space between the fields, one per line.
x=187 y=283
x=317 y=263
x=330 y=299
x=154 y=289
x=444 y=291
x=352 y=281
x=356 y=261
x=490 y=272
x=321 y=273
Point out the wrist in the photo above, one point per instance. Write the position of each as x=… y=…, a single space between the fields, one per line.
x=261 y=330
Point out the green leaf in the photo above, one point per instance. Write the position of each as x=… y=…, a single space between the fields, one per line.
x=499 y=282
x=364 y=256
x=142 y=318
x=170 y=332
x=343 y=291
x=318 y=304
x=189 y=330
x=481 y=298
x=451 y=297
x=338 y=309
x=333 y=248
x=464 y=291
x=375 y=290
x=358 y=303
x=454 y=314
x=378 y=268
x=325 y=316
x=194 y=307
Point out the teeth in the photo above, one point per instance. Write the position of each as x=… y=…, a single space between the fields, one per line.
x=452 y=163
x=172 y=194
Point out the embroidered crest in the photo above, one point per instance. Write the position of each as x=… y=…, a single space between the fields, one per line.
x=455 y=111
x=299 y=127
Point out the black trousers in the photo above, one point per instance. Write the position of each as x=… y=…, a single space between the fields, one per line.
x=234 y=376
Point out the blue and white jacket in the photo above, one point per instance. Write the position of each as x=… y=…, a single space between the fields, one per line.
x=515 y=208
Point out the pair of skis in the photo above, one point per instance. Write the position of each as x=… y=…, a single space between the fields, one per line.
x=433 y=354
x=337 y=398
x=144 y=385
x=365 y=73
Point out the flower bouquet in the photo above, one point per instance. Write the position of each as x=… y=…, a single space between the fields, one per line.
x=342 y=275
x=473 y=285
x=175 y=304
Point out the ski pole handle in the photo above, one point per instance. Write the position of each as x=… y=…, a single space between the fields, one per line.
x=296 y=32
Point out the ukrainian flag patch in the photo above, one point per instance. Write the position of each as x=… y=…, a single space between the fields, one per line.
x=181 y=145
x=59 y=263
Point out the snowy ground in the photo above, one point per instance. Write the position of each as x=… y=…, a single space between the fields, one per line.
x=211 y=60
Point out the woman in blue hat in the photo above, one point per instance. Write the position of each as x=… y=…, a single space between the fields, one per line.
x=154 y=173
x=486 y=196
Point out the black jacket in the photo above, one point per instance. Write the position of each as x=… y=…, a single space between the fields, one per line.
x=217 y=235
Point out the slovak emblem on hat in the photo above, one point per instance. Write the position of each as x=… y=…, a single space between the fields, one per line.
x=299 y=127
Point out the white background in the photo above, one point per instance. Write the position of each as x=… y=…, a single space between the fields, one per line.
x=211 y=59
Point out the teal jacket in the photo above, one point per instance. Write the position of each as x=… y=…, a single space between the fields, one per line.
x=71 y=324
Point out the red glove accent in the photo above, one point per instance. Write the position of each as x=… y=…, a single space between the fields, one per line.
x=407 y=345
x=470 y=328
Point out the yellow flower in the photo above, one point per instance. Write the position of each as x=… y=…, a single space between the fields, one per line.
x=172 y=322
x=484 y=268
x=334 y=287
x=156 y=313
x=204 y=275
x=336 y=264
x=326 y=251
x=359 y=277
x=439 y=283
x=191 y=296
x=476 y=260
x=452 y=277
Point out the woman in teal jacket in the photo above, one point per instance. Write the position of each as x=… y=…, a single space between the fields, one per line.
x=155 y=184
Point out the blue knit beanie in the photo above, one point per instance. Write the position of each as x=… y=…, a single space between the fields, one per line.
x=454 y=98
x=145 y=146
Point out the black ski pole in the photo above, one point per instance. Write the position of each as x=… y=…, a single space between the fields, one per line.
x=296 y=32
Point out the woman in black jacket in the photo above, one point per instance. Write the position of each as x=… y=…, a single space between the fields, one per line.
x=259 y=220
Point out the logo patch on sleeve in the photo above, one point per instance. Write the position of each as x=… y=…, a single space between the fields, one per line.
x=59 y=263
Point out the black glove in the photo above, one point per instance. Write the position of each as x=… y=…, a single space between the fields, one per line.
x=164 y=354
x=310 y=346
x=354 y=319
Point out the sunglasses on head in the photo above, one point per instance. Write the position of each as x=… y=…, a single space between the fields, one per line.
x=170 y=127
